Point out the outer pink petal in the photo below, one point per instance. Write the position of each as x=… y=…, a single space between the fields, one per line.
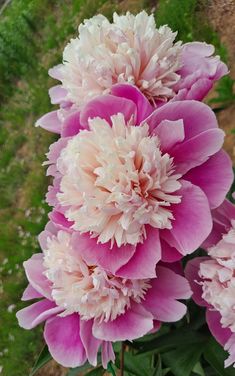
x=163 y=308
x=199 y=89
x=101 y=254
x=197 y=117
x=147 y=255
x=60 y=221
x=90 y=343
x=133 y=324
x=62 y=335
x=57 y=94
x=107 y=353
x=169 y=254
x=213 y=320
x=197 y=149
x=71 y=125
x=36 y=313
x=170 y=133
x=55 y=72
x=107 y=105
x=34 y=270
x=191 y=273
x=192 y=220
x=144 y=109
x=50 y=122
x=170 y=284
x=214 y=177
x=30 y=293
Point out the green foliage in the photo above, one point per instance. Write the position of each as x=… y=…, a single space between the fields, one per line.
x=187 y=17
x=44 y=357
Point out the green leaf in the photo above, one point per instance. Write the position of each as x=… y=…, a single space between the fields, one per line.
x=158 y=370
x=182 y=360
x=77 y=371
x=99 y=371
x=178 y=337
x=44 y=357
x=198 y=369
x=215 y=356
x=110 y=369
x=136 y=365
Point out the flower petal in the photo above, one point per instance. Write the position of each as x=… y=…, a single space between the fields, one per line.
x=133 y=324
x=36 y=313
x=106 y=106
x=191 y=273
x=34 y=270
x=50 y=122
x=170 y=133
x=110 y=259
x=30 y=293
x=147 y=255
x=144 y=109
x=214 y=177
x=90 y=343
x=62 y=335
x=213 y=320
x=192 y=223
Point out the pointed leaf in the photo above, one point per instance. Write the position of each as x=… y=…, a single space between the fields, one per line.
x=44 y=357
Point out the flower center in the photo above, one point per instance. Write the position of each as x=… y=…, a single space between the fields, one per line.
x=88 y=290
x=115 y=180
x=219 y=278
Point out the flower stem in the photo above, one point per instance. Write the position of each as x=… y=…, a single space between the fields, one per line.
x=122 y=359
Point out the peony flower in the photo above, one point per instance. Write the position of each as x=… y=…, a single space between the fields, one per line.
x=129 y=179
x=130 y=50
x=212 y=279
x=87 y=308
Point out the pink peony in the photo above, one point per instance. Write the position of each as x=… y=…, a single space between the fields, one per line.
x=130 y=50
x=212 y=279
x=126 y=177
x=87 y=308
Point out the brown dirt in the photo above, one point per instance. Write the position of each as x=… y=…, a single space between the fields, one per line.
x=221 y=16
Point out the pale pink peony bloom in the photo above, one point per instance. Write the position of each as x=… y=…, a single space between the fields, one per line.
x=126 y=177
x=130 y=50
x=87 y=308
x=213 y=279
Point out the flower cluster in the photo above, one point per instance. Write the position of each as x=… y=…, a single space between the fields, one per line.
x=137 y=175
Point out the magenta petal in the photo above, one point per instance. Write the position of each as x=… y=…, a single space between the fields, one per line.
x=30 y=293
x=55 y=72
x=170 y=133
x=57 y=94
x=169 y=254
x=197 y=149
x=144 y=109
x=170 y=284
x=164 y=309
x=191 y=273
x=197 y=116
x=50 y=122
x=105 y=106
x=34 y=270
x=101 y=254
x=133 y=324
x=36 y=313
x=59 y=220
x=90 y=343
x=200 y=89
x=192 y=223
x=71 y=125
x=213 y=320
x=161 y=301
x=147 y=255
x=107 y=353
x=62 y=335
x=214 y=177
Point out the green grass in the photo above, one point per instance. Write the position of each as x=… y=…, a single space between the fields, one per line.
x=33 y=34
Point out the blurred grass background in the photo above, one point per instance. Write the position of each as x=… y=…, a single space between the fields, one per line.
x=33 y=34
